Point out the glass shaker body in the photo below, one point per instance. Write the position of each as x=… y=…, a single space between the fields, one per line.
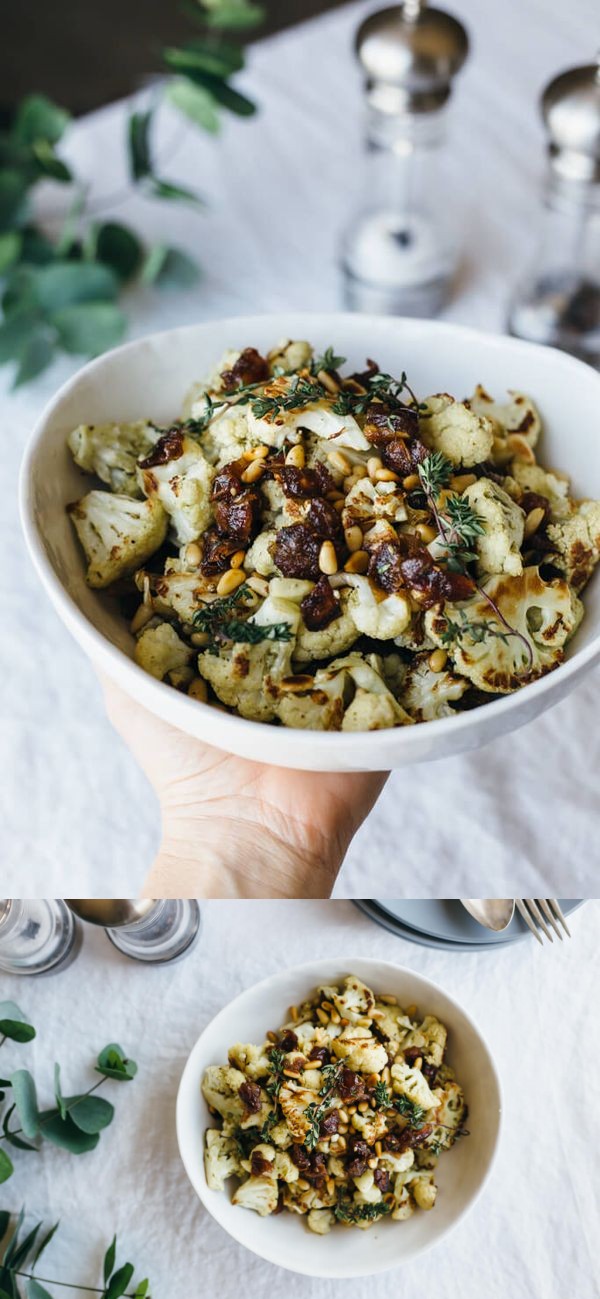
x=400 y=250
x=558 y=300
x=37 y=936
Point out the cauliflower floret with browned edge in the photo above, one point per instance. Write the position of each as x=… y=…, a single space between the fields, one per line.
x=334 y=639
x=252 y=1060
x=410 y=1082
x=427 y=695
x=182 y=594
x=259 y=556
x=382 y=618
x=372 y=1125
x=499 y=546
x=396 y=1163
x=220 y=1088
x=355 y=1001
x=116 y=533
x=178 y=474
x=449 y=426
x=576 y=543
x=368 y=501
x=258 y=1193
x=247 y=676
x=372 y=700
x=519 y=416
x=289 y=354
x=368 y=1191
x=294 y=1102
x=532 y=478
x=320 y=1221
x=318 y=706
x=285 y=1168
x=424 y=1190
x=160 y=650
x=542 y=615
x=360 y=1050
x=449 y=1115
x=221 y=1159
x=110 y=451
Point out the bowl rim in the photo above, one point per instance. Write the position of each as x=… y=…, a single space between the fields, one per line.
x=171 y=704
x=360 y=965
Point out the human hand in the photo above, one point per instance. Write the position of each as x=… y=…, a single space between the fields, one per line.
x=235 y=828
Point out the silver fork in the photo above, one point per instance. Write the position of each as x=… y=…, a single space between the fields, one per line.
x=535 y=913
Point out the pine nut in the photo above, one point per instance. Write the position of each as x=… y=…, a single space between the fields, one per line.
x=438 y=660
x=302 y=1184
x=372 y=1162
x=197 y=689
x=271 y=1036
x=378 y=1149
x=296 y=457
x=294 y=1013
x=237 y=560
x=348 y=483
x=141 y=616
x=418 y=1064
x=339 y=505
x=357 y=563
x=322 y=1017
x=230 y=581
x=340 y=463
x=254 y=471
x=351 y=1109
x=343 y=1129
x=460 y=482
x=334 y=495
x=341 y=1145
x=258 y=584
x=411 y=1010
x=411 y=482
x=327 y=558
x=354 y=537
x=335 y=1019
x=386 y=476
x=257 y=453
x=200 y=639
x=363 y=1107
x=387 y=999
x=343 y=1115
x=328 y=382
x=360 y=471
x=326 y=1005
x=344 y=1022
x=533 y=520
x=373 y=464
x=386 y=1074
x=193 y=554
x=426 y=532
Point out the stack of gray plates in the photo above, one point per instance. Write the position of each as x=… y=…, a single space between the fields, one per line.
x=435 y=922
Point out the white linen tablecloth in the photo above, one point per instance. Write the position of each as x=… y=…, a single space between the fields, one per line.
x=75 y=813
x=532 y=1235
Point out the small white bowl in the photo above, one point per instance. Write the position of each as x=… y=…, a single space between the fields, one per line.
x=461 y=1174
x=150 y=377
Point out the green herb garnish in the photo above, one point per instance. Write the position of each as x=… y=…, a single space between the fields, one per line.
x=328 y=361
x=214 y=618
x=277 y=1061
x=415 y=1114
x=382 y=1096
x=346 y=1211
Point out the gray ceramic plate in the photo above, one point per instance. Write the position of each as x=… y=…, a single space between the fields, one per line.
x=381 y=913
x=448 y=920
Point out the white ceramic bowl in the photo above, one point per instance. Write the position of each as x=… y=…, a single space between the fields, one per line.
x=150 y=377
x=461 y=1173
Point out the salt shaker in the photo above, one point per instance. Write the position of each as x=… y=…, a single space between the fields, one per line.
x=558 y=298
x=400 y=250
x=37 y=936
x=153 y=931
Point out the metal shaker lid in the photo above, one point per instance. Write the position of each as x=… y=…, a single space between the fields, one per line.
x=571 y=112
x=410 y=53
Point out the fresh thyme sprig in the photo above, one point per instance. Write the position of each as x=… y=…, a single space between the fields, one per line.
x=315 y=1112
x=301 y=392
x=379 y=386
x=214 y=618
x=476 y=630
x=346 y=1211
x=277 y=1061
x=415 y=1114
x=382 y=1096
x=328 y=361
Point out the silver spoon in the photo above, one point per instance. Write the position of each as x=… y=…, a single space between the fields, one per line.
x=493 y=913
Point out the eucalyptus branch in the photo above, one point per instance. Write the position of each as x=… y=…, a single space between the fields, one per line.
x=68 y=1285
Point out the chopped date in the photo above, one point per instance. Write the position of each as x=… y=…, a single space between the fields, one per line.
x=320 y=1053
x=238 y=517
x=364 y=376
x=324 y=520
x=258 y=1164
x=396 y=455
x=329 y=1124
x=217 y=552
x=303 y=482
x=381 y=1179
x=320 y=606
x=356 y=1166
x=430 y=1073
x=397 y=1142
x=296 y=551
x=300 y=1157
x=413 y=1053
x=359 y=1152
x=228 y=481
x=434 y=584
x=169 y=447
x=250 y=1094
x=383 y=425
x=351 y=1086
x=385 y=566
x=535 y=501
x=288 y=1040
x=280 y=1203
x=250 y=367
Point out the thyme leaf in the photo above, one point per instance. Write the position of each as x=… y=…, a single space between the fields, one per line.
x=415 y=1114
x=215 y=619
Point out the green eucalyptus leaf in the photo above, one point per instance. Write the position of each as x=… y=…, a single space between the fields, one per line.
x=142 y=1289
x=24 y=1247
x=226 y=95
x=45 y=1241
x=15 y=333
x=196 y=102
x=13 y=1023
x=119 y=1282
x=62 y=1109
x=118 y=247
x=36 y=249
x=26 y=1102
x=109 y=1259
x=19 y=293
x=113 y=1063
x=11 y=245
x=35 y=1290
x=234 y=15
x=4 y=1223
x=66 y=1134
x=166 y=189
x=67 y=283
x=13 y=191
x=89 y=328
x=49 y=163
x=169 y=268
x=219 y=60
x=140 y=156
x=91 y=1113
x=6 y=1167
x=36 y=356
x=39 y=119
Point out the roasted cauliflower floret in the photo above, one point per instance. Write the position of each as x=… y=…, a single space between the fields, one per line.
x=371 y=1125
x=221 y=1159
x=545 y=614
x=368 y=501
x=410 y=1082
x=177 y=474
x=337 y=637
x=368 y=1192
x=532 y=478
x=373 y=705
x=117 y=534
x=499 y=546
x=258 y=1193
x=182 y=594
x=251 y=1060
x=247 y=676
x=319 y=706
x=292 y=354
x=519 y=416
x=355 y=1001
x=110 y=451
x=449 y=426
x=360 y=1050
x=320 y=1221
x=160 y=650
x=259 y=556
x=576 y=543
x=220 y=1088
x=424 y=1190
x=383 y=619
x=427 y=695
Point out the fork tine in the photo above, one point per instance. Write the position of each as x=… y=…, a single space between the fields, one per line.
x=522 y=909
x=543 y=903
x=537 y=916
x=558 y=913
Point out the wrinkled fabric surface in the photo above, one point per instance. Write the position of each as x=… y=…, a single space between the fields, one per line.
x=75 y=813
x=532 y=1235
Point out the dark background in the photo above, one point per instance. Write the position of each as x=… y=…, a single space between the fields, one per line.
x=84 y=53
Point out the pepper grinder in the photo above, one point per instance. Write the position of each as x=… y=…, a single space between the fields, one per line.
x=154 y=931
x=558 y=300
x=400 y=251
